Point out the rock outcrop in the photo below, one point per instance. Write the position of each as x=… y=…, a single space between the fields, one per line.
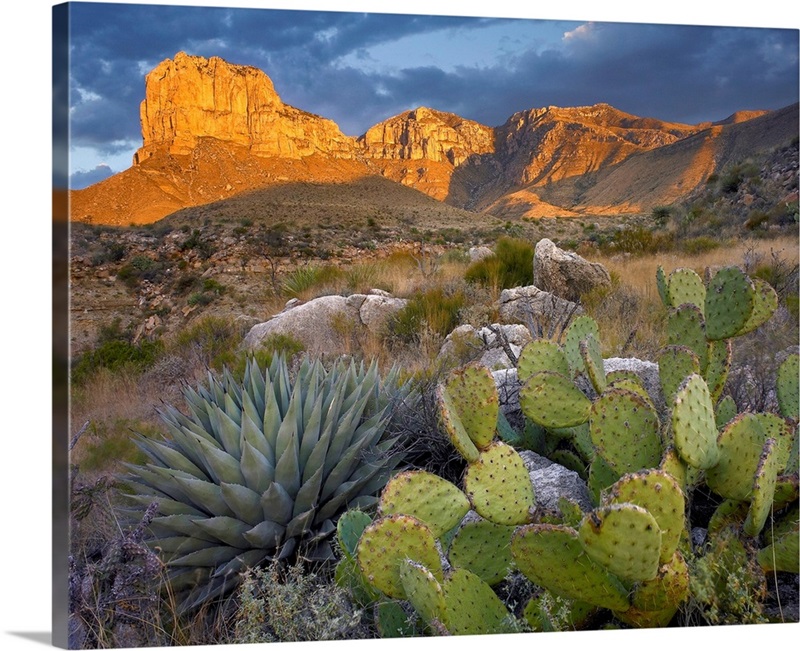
x=189 y=97
x=535 y=307
x=564 y=273
x=326 y=325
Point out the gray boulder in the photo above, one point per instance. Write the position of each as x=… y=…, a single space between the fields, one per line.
x=551 y=481
x=485 y=345
x=647 y=372
x=325 y=324
x=537 y=309
x=564 y=273
x=479 y=253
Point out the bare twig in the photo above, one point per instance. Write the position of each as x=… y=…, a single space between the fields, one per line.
x=75 y=438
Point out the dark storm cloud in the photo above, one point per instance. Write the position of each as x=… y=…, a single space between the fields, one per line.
x=686 y=74
x=115 y=45
x=80 y=180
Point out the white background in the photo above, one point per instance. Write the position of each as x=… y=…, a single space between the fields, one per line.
x=25 y=161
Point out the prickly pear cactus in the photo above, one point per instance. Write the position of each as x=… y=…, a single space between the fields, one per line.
x=623 y=538
x=553 y=557
x=788 y=387
x=541 y=355
x=387 y=543
x=685 y=286
x=427 y=497
x=624 y=429
x=498 y=486
x=577 y=331
x=551 y=400
x=693 y=424
x=729 y=303
x=483 y=548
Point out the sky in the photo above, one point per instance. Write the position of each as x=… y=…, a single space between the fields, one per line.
x=361 y=68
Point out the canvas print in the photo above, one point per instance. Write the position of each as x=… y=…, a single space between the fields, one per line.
x=384 y=325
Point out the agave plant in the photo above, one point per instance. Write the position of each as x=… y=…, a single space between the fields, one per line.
x=260 y=469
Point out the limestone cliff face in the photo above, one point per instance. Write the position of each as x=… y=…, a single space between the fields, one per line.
x=188 y=98
x=427 y=134
x=549 y=144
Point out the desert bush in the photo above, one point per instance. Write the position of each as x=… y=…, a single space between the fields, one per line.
x=434 y=310
x=303 y=279
x=116 y=351
x=201 y=245
x=510 y=266
x=293 y=604
x=700 y=244
x=141 y=267
x=209 y=341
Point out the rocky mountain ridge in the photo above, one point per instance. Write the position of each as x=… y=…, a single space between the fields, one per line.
x=212 y=129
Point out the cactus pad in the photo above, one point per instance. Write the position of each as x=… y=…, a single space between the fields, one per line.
x=655 y=602
x=541 y=355
x=601 y=476
x=422 y=590
x=429 y=498
x=625 y=430
x=387 y=543
x=720 y=354
x=725 y=412
x=685 y=286
x=483 y=548
x=765 y=302
x=675 y=364
x=728 y=513
x=625 y=539
x=474 y=396
x=779 y=429
x=593 y=361
x=729 y=303
x=685 y=327
x=472 y=607
x=499 y=487
x=552 y=556
x=693 y=426
x=782 y=553
x=740 y=445
x=764 y=481
x=577 y=331
x=392 y=620
x=454 y=427
x=551 y=400
x=659 y=493
x=663 y=286
x=349 y=529
x=674 y=466
x=788 y=387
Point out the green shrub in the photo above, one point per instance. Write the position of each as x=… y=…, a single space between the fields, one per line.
x=115 y=351
x=304 y=278
x=106 y=444
x=140 y=268
x=211 y=340
x=433 y=310
x=510 y=266
x=196 y=242
x=274 y=344
x=700 y=244
x=293 y=605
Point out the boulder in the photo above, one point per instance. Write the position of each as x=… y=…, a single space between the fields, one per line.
x=564 y=273
x=552 y=481
x=324 y=324
x=539 y=310
x=467 y=343
x=479 y=253
x=647 y=372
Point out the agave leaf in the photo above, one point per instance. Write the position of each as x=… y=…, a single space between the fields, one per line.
x=344 y=433
x=342 y=470
x=168 y=525
x=208 y=557
x=265 y=535
x=222 y=466
x=243 y=561
x=316 y=459
x=299 y=525
x=308 y=494
x=179 y=545
x=166 y=506
x=311 y=432
x=257 y=386
x=167 y=456
x=288 y=431
x=272 y=414
x=287 y=470
x=225 y=529
x=255 y=437
x=230 y=433
x=156 y=480
x=258 y=472
x=277 y=504
x=232 y=402
x=244 y=502
x=197 y=405
x=205 y=496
